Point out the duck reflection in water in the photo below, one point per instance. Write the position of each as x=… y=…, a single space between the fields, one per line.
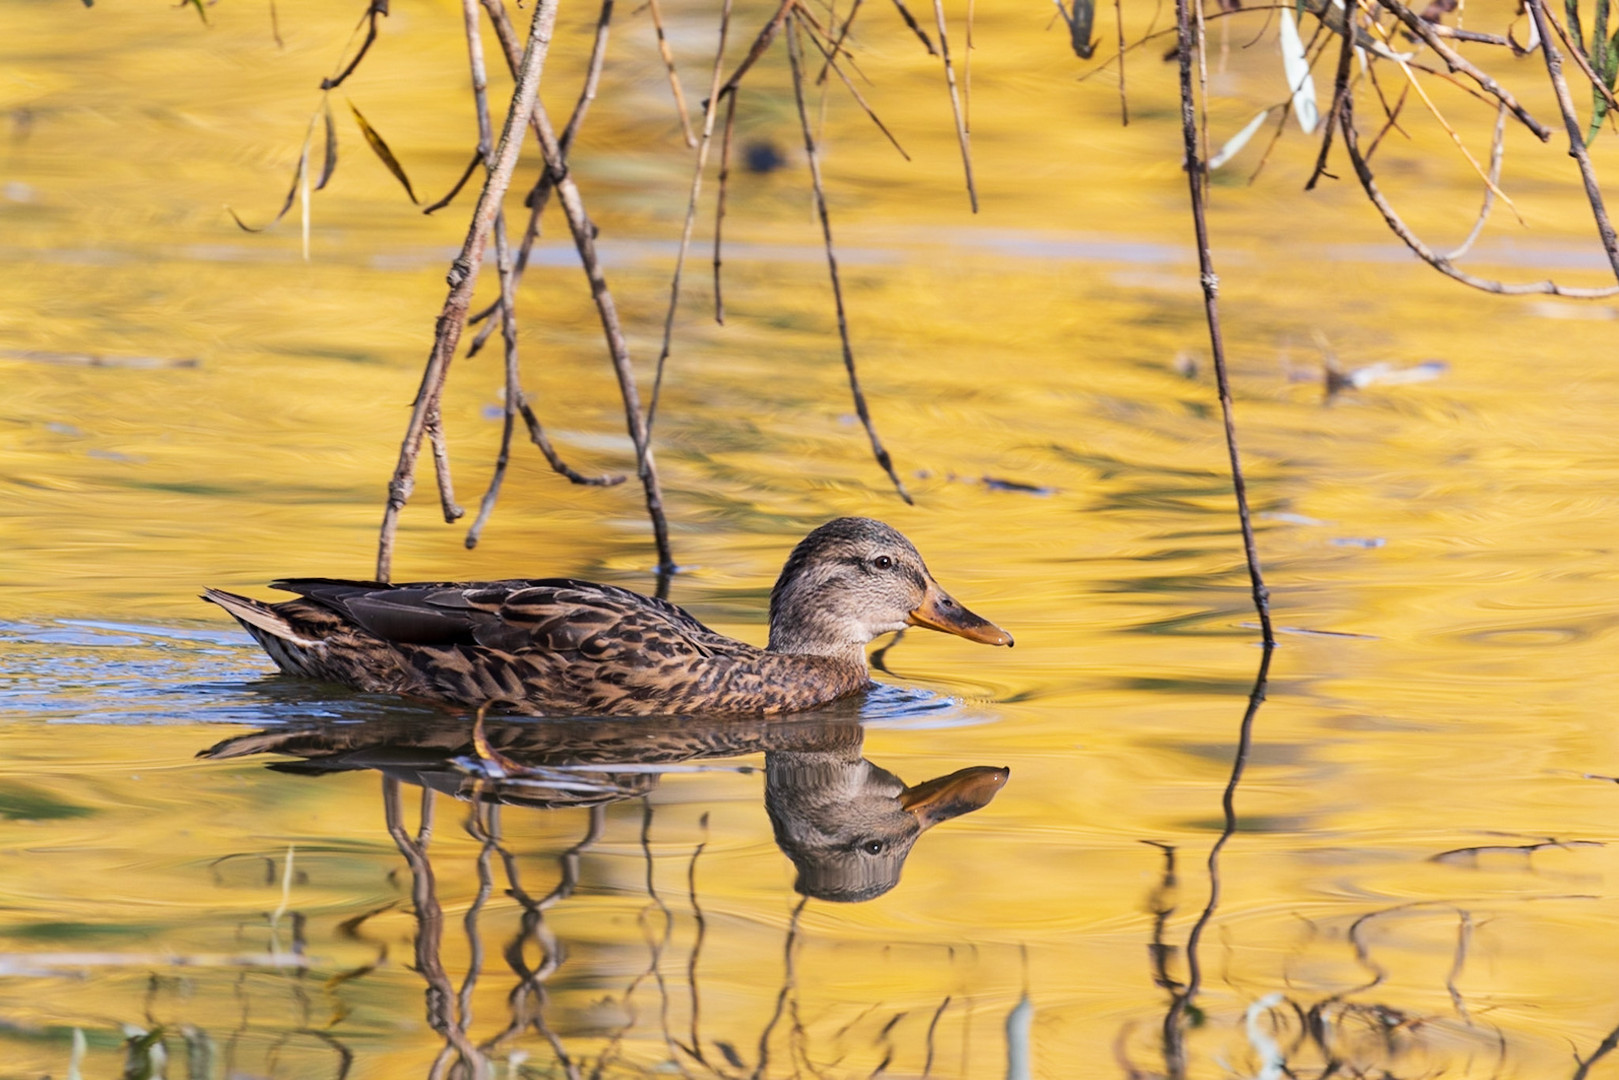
x=847 y=825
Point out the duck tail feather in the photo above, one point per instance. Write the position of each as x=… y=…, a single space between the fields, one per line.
x=257 y=616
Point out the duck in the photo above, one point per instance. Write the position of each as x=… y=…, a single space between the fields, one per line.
x=563 y=647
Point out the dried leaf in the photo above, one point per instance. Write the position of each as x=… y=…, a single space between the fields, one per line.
x=380 y=148
x=330 y=165
x=1235 y=144
x=1296 y=65
x=292 y=194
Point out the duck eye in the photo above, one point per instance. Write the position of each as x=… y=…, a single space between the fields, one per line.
x=883 y=562
x=873 y=847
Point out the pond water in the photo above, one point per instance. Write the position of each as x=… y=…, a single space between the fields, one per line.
x=209 y=870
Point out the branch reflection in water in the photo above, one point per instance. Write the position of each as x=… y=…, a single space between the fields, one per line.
x=1349 y=1031
x=847 y=824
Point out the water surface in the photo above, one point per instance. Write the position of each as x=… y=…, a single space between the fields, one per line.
x=268 y=878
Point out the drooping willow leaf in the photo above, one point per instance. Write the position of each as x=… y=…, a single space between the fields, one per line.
x=1234 y=144
x=380 y=148
x=1296 y=66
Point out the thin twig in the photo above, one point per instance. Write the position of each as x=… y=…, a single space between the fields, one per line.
x=441 y=466
x=674 y=79
x=1211 y=309
x=916 y=28
x=795 y=61
x=761 y=42
x=719 y=203
x=464 y=275
x=1576 y=148
x=1124 y=99
x=967 y=72
x=375 y=9
x=709 y=105
x=503 y=261
x=1393 y=122
x=955 y=107
x=1497 y=153
x=478 y=157
x=1368 y=182
x=1346 y=52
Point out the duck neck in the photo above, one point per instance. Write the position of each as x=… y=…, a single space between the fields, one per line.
x=802 y=630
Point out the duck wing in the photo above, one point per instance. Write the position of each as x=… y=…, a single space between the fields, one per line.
x=558 y=616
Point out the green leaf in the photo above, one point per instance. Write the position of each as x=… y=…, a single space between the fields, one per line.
x=380 y=148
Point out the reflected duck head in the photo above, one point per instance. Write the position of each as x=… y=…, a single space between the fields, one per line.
x=848 y=826
x=853 y=580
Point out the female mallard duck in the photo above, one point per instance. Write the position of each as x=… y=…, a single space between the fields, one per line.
x=557 y=646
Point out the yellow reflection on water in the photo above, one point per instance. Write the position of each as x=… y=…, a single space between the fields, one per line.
x=187 y=405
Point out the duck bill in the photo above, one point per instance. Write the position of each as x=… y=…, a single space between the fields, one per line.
x=946 y=797
x=940 y=611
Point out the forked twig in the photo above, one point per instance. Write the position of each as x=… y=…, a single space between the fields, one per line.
x=795 y=61
x=464 y=275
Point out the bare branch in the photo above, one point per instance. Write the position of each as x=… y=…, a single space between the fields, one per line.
x=795 y=61
x=1432 y=258
x=1576 y=148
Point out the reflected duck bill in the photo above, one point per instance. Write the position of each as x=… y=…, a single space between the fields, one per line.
x=961 y=792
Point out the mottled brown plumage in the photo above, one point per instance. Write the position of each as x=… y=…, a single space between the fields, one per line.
x=557 y=646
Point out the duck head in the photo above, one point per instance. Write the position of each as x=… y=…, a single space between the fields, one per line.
x=855 y=579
